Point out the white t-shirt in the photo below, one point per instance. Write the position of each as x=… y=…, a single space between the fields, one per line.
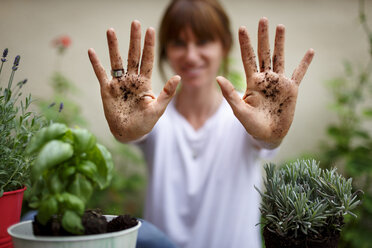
x=201 y=183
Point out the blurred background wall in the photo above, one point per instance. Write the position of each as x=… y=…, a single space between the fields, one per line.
x=331 y=27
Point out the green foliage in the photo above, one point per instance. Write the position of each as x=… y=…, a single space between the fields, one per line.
x=127 y=190
x=17 y=125
x=69 y=165
x=63 y=90
x=349 y=139
x=302 y=199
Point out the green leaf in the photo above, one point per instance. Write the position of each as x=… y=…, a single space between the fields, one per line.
x=48 y=207
x=53 y=153
x=362 y=134
x=71 y=222
x=103 y=160
x=73 y=203
x=89 y=169
x=367 y=112
x=34 y=204
x=46 y=134
x=83 y=140
x=81 y=187
x=56 y=185
x=67 y=171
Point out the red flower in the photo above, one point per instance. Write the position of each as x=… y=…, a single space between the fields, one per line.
x=63 y=41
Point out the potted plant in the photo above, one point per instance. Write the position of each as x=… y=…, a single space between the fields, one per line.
x=17 y=126
x=304 y=205
x=69 y=164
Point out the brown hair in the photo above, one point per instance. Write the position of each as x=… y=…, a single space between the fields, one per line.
x=206 y=18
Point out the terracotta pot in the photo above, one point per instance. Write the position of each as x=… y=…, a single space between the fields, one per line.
x=10 y=213
x=273 y=240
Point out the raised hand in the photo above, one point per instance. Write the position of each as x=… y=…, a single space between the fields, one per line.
x=130 y=106
x=268 y=105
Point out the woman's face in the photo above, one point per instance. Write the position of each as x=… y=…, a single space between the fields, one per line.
x=196 y=61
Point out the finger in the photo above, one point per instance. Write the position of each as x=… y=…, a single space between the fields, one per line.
x=230 y=94
x=167 y=93
x=263 y=45
x=248 y=56
x=278 y=57
x=134 y=52
x=115 y=58
x=301 y=69
x=97 y=67
x=148 y=53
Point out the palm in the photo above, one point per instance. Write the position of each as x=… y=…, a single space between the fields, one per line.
x=130 y=106
x=267 y=107
x=270 y=104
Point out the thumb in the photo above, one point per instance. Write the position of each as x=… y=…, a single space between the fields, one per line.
x=167 y=93
x=229 y=92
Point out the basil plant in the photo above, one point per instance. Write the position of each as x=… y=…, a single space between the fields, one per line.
x=69 y=164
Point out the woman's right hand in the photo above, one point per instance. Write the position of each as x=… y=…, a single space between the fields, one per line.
x=131 y=109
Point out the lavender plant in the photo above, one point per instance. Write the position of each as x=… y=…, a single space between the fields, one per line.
x=302 y=199
x=17 y=125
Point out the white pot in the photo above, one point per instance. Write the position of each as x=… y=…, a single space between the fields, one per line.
x=22 y=236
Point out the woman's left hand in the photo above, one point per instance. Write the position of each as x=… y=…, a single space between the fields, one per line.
x=268 y=105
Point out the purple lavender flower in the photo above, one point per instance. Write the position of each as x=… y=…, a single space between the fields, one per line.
x=16 y=62
x=60 y=107
x=5 y=53
x=21 y=83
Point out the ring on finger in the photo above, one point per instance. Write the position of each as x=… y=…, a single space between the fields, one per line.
x=117 y=73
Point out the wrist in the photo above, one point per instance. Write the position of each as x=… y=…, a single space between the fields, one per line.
x=265 y=144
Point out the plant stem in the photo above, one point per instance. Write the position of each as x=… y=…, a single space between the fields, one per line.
x=11 y=177
x=11 y=80
x=368 y=32
x=1 y=68
x=362 y=15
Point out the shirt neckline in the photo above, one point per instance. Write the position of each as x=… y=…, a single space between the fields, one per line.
x=188 y=125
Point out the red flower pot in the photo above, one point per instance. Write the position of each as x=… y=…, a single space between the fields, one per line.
x=10 y=213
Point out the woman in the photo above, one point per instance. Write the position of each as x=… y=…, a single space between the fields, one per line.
x=203 y=142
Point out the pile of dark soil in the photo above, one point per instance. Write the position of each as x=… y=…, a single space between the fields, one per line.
x=273 y=240
x=93 y=221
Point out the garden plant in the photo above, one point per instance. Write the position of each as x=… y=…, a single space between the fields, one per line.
x=348 y=144
x=304 y=205
x=69 y=165
x=17 y=126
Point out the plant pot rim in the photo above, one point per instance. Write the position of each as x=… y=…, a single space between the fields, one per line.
x=32 y=237
x=15 y=191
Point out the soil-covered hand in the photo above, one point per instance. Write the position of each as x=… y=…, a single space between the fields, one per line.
x=131 y=109
x=268 y=105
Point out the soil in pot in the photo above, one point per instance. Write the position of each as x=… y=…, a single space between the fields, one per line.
x=273 y=240
x=93 y=221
